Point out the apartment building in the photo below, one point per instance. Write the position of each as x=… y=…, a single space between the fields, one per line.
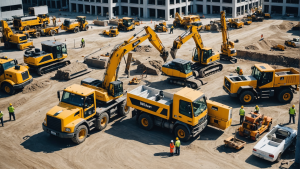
x=282 y=7
x=58 y=4
x=9 y=8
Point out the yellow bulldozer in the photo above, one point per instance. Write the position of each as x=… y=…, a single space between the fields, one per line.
x=112 y=32
x=80 y=24
x=14 y=40
x=236 y=23
x=161 y=27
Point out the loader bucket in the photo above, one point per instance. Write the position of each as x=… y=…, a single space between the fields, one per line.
x=173 y=52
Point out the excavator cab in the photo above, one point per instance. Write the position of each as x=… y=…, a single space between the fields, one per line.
x=205 y=54
x=56 y=48
x=116 y=88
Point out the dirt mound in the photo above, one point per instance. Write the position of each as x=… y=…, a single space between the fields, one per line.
x=143 y=49
x=267 y=58
x=20 y=102
x=152 y=67
x=66 y=72
x=251 y=47
x=284 y=26
x=35 y=85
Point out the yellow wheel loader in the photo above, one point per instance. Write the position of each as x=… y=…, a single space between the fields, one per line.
x=80 y=24
x=112 y=32
x=126 y=24
x=161 y=27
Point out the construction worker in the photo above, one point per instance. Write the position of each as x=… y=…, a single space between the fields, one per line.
x=82 y=43
x=242 y=114
x=292 y=113
x=1 y=117
x=54 y=20
x=257 y=109
x=172 y=148
x=241 y=72
x=11 y=111
x=237 y=70
x=171 y=30
x=177 y=145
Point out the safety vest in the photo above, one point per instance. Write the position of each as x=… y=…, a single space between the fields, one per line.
x=1 y=114
x=11 y=109
x=177 y=143
x=172 y=146
x=242 y=112
x=82 y=40
x=241 y=72
x=257 y=108
x=238 y=70
x=292 y=111
x=172 y=27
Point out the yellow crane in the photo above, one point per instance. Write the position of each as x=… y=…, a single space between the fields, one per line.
x=227 y=47
x=91 y=104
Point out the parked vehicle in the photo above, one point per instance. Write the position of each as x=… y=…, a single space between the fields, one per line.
x=273 y=144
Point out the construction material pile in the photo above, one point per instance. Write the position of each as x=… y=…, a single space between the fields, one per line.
x=35 y=85
x=71 y=71
x=97 y=61
x=152 y=67
x=114 y=21
x=100 y=23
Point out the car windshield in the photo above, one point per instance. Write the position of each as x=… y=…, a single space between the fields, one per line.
x=9 y=64
x=256 y=73
x=199 y=106
x=73 y=99
x=187 y=68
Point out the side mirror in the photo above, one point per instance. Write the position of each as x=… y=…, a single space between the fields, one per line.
x=58 y=95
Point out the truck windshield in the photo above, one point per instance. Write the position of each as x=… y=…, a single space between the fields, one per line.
x=199 y=106
x=127 y=23
x=9 y=64
x=187 y=68
x=256 y=74
x=73 y=99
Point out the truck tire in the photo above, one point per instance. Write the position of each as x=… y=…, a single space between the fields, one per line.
x=246 y=97
x=26 y=28
x=102 y=121
x=285 y=96
x=80 y=134
x=52 y=33
x=182 y=133
x=76 y=30
x=86 y=28
x=8 y=88
x=123 y=109
x=278 y=158
x=37 y=35
x=145 y=121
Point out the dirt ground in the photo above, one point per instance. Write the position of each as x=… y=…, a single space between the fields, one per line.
x=123 y=144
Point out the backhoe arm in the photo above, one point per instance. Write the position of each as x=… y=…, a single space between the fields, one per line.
x=120 y=50
x=187 y=35
x=224 y=28
x=7 y=32
x=178 y=16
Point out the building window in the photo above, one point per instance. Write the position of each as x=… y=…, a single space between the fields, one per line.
x=183 y=0
x=161 y=2
x=208 y=0
x=134 y=1
x=277 y=1
x=177 y=1
x=151 y=2
x=171 y=1
x=227 y=1
x=98 y=0
x=215 y=0
x=126 y=1
x=105 y=1
x=266 y=0
x=199 y=0
x=141 y=1
x=115 y=1
x=11 y=8
x=292 y=1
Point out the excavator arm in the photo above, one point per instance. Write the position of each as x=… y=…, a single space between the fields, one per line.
x=7 y=32
x=120 y=50
x=187 y=35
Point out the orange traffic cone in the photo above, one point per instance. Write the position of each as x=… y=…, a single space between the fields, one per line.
x=151 y=20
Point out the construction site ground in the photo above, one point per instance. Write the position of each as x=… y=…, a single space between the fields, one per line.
x=123 y=144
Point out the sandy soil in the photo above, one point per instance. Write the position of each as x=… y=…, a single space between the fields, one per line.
x=123 y=144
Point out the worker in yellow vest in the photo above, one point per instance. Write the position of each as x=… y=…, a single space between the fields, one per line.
x=242 y=114
x=1 y=117
x=257 y=109
x=171 y=30
x=177 y=145
x=11 y=111
x=292 y=113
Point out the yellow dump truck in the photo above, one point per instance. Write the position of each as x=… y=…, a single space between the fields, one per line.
x=26 y=22
x=80 y=24
x=186 y=113
x=51 y=31
x=13 y=76
x=236 y=23
x=264 y=82
x=186 y=20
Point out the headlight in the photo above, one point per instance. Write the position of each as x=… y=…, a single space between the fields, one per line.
x=67 y=129
x=45 y=122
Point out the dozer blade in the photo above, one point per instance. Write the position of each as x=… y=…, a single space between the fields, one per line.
x=173 y=52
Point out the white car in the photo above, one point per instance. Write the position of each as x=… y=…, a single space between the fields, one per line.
x=273 y=144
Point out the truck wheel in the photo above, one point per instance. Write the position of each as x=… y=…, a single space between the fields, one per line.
x=86 y=27
x=76 y=30
x=102 y=121
x=285 y=96
x=246 y=97
x=37 y=35
x=26 y=28
x=80 y=134
x=52 y=32
x=123 y=109
x=146 y=121
x=8 y=88
x=278 y=158
x=182 y=133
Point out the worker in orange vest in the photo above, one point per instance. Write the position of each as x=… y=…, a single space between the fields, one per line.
x=172 y=148
x=241 y=72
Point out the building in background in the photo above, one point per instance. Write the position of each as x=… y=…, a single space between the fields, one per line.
x=9 y=8
x=58 y=4
x=282 y=7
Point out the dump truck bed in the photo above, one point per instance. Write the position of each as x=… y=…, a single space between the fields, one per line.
x=143 y=98
x=286 y=77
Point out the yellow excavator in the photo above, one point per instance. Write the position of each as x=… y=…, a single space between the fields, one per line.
x=227 y=47
x=50 y=58
x=92 y=104
x=183 y=72
x=10 y=39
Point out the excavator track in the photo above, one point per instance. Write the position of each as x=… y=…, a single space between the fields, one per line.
x=54 y=66
x=190 y=82
x=204 y=71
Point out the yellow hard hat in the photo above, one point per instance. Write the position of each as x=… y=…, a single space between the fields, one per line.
x=177 y=138
x=256 y=106
x=10 y=104
x=293 y=105
x=242 y=107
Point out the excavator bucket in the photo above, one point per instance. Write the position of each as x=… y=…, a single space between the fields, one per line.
x=173 y=52
x=164 y=55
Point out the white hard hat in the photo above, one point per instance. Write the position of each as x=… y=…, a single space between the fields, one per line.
x=171 y=141
x=238 y=67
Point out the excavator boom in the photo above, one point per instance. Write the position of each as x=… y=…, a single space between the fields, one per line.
x=120 y=50
x=7 y=32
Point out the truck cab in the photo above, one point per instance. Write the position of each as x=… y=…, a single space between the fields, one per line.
x=13 y=76
x=126 y=24
x=80 y=24
x=264 y=82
